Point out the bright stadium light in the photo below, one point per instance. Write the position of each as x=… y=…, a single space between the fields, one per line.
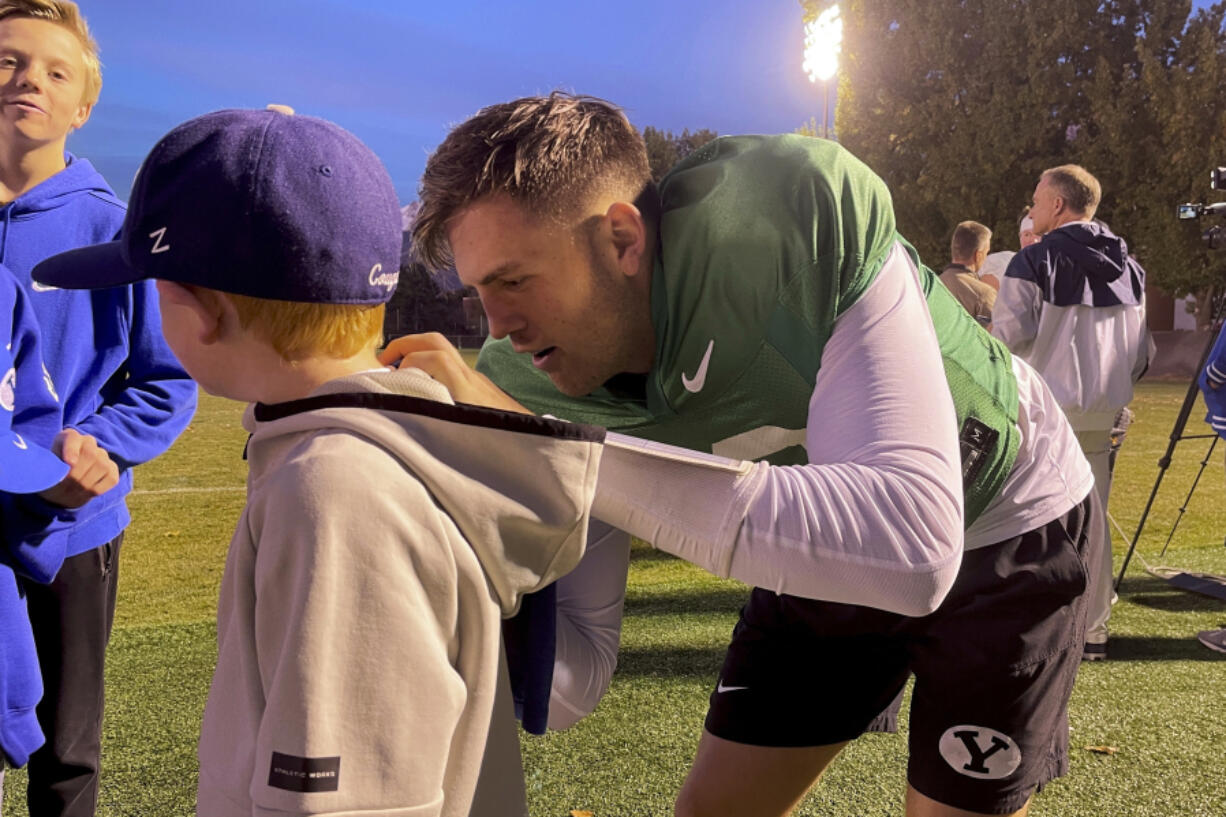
x=823 y=42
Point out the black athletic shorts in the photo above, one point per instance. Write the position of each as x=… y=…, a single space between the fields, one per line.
x=994 y=668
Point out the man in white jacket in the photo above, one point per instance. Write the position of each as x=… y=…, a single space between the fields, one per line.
x=1073 y=307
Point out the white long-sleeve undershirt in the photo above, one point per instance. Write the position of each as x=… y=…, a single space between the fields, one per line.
x=875 y=518
x=589 y=619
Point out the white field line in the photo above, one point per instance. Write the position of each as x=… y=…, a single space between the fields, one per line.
x=216 y=490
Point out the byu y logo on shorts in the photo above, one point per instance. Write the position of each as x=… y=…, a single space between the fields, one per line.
x=977 y=751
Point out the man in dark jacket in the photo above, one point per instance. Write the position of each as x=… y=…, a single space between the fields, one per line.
x=1073 y=307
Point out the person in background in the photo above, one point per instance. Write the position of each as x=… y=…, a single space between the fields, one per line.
x=968 y=248
x=1026 y=234
x=117 y=380
x=31 y=544
x=996 y=263
x=1212 y=382
x=1073 y=307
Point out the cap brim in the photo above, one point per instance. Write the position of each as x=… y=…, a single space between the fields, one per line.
x=26 y=468
x=95 y=267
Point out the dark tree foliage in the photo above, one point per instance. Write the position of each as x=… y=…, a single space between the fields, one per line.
x=424 y=302
x=664 y=149
x=960 y=104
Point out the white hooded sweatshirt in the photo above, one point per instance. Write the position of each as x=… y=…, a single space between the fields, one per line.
x=386 y=534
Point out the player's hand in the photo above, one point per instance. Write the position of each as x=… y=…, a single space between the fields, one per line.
x=434 y=355
x=92 y=472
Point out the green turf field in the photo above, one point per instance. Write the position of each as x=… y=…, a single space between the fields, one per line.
x=1158 y=703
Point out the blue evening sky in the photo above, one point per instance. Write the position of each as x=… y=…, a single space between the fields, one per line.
x=399 y=72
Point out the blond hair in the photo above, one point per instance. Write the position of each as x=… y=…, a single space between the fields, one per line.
x=301 y=330
x=1077 y=186
x=65 y=14
x=969 y=237
x=549 y=153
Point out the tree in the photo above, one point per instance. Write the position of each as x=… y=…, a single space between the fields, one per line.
x=1182 y=84
x=960 y=104
x=664 y=149
x=424 y=302
x=661 y=151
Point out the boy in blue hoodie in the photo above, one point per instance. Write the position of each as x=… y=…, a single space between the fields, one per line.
x=33 y=545
x=117 y=379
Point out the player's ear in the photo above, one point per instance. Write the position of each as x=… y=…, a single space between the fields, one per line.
x=629 y=233
x=204 y=310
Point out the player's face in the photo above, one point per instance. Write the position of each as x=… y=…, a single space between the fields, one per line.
x=550 y=291
x=1043 y=211
x=42 y=82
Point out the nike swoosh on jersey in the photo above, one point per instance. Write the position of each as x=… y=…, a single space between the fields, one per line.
x=37 y=287
x=721 y=688
x=694 y=384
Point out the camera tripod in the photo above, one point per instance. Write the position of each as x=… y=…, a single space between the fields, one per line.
x=1177 y=436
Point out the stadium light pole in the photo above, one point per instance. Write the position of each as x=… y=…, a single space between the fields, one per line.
x=823 y=42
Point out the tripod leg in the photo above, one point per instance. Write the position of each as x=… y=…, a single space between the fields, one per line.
x=1184 y=507
x=1189 y=400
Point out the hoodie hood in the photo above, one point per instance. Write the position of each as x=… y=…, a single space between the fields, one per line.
x=1083 y=263
x=517 y=487
x=78 y=177
x=60 y=199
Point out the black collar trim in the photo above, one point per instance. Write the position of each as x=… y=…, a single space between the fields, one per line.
x=463 y=413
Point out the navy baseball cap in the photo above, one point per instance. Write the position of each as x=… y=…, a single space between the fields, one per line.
x=260 y=203
x=25 y=468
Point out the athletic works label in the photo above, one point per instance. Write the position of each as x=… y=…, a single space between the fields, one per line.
x=977 y=751
x=305 y=774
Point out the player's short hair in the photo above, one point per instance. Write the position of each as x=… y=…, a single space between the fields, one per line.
x=65 y=14
x=299 y=330
x=1079 y=189
x=969 y=237
x=549 y=153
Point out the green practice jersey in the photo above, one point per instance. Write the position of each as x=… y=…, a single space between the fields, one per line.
x=764 y=243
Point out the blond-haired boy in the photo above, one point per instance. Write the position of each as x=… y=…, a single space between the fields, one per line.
x=119 y=382
x=387 y=529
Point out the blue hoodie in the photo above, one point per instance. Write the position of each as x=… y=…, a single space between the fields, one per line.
x=33 y=535
x=117 y=379
x=21 y=685
x=29 y=544
x=1213 y=385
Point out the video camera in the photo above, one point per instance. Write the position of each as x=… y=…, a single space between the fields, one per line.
x=1215 y=236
